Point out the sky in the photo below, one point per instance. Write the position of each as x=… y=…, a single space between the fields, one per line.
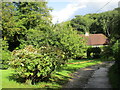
x=64 y=10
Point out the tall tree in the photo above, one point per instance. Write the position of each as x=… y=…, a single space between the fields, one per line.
x=115 y=25
x=9 y=25
x=81 y=23
x=33 y=14
x=19 y=17
x=102 y=23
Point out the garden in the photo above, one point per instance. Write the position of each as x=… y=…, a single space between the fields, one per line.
x=39 y=54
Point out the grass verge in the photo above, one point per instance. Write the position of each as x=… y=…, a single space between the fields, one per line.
x=114 y=76
x=57 y=80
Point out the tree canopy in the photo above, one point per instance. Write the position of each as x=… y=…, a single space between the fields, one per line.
x=19 y=17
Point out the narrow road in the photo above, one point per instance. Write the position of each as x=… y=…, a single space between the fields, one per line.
x=99 y=79
x=91 y=77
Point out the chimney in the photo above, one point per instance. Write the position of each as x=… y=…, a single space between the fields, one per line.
x=87 y=34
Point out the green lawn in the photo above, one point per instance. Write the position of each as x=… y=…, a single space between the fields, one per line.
x=58 y=78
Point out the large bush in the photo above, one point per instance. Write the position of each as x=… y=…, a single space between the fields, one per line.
x=95 y=51
x=116 y=51
x=62 y=36
x=69 y=41
x=107 y=52
x=36 y=65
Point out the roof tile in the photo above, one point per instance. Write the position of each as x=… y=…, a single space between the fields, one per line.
x=96 y=39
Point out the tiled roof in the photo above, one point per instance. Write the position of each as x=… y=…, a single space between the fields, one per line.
x=96 y=39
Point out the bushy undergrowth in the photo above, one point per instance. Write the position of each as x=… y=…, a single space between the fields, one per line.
x=95 y=51
x=116 y=51
x=112 y=52
x=114 y=76
x=6 y=55
x=107 y=52
x=34 y=65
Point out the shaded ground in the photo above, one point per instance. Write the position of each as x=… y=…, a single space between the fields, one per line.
x=99 y=79
x=91 y=77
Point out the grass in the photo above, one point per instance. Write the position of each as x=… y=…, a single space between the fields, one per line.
x=57 y=80
x=114 y=76
x=7 y=83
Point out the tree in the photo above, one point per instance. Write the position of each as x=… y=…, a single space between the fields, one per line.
x=82 y=23
x=33 y=14
x=114 y=25
x=19 y=17
x=102 y=23
x=36 y=38
x=9 y=25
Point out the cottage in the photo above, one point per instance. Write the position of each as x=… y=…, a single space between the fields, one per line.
x=96 y=40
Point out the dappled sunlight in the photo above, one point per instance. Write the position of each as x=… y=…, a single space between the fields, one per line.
x=81 y=62
x=87 y=69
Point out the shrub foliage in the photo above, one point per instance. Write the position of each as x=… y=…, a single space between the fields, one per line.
x=95 y=51
x=6 y=54
x=36 y=64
